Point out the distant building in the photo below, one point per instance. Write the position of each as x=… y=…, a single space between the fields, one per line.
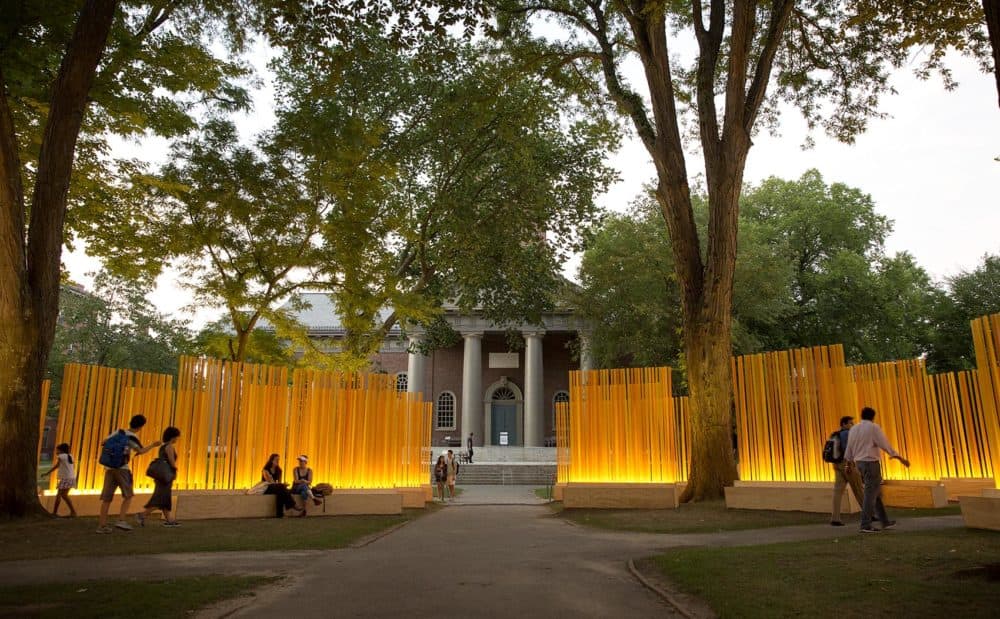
x=504 y=397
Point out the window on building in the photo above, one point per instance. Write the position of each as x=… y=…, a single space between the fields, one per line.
x=402 y=381
x=446 y=411
x=504 y=393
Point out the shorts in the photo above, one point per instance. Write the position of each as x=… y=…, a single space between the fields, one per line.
x=114 y=479
x=66 y=484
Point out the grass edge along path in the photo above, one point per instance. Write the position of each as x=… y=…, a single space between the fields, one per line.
x=74 y=537
x=175 y=597
x=713 y=516
x=917 y=574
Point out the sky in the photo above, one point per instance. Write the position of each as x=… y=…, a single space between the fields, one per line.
x=930 y=167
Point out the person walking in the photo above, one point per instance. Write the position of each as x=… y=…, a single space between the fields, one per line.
x=116 y=451
x=842 y=477
x=452 y=473
x=66 y=477
x=440 y=476
x=469 y=444
x=162 y=499
x=863 y=444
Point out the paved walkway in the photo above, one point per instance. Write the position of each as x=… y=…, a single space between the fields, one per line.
x=497 y=495
x=487 y=560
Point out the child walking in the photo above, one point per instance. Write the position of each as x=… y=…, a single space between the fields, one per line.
x=66 y=477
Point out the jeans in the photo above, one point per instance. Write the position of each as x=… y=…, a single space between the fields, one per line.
x=871 y=477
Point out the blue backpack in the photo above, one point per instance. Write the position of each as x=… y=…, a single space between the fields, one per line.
x=114 y=451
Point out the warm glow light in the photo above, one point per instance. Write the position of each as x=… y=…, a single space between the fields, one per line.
x=621 y=426
x=788 y=402
x=357 y=430
x=986 y=336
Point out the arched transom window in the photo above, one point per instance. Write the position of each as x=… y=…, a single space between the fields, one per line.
x=504 y=393
x=402 y=381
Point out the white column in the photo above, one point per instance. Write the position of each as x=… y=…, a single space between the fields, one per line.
x=586 y=361
x=534 y=390
x=472 y=385
x=415 y=364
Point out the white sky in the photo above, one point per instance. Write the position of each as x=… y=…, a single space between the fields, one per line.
x=930 y=167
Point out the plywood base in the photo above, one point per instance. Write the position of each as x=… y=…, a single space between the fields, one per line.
x=955 y=487
x=367 y=501
x=557 y=492
x=992 y=492
x=417 y=496
x=208 y=504
x=796 y=496
x=620 y=496
x=981 y=512
x=914 y=493
x=90 y=504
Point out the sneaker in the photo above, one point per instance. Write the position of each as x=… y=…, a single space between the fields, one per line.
x=171 y=523
x=889 y=524
x=124 y=526
x=836 y=523
x=104 y=529
x=869 y=530
x=141 y=519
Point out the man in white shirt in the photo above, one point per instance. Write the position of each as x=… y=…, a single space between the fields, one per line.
x=864 y=442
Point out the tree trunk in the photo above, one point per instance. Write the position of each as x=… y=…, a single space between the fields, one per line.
x=992 y=10
x=708 y=352
x=29 y=292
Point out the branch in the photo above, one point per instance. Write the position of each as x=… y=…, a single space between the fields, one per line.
x=781 y=10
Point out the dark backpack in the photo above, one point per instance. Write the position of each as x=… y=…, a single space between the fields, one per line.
x=114 y=451
x=833 y=451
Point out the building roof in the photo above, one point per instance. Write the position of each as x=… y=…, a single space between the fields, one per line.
x=320 y=315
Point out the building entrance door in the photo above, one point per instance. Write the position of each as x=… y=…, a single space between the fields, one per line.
x=503 y=422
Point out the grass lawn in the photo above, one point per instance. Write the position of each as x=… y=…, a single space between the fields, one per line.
x=947 y=573
x=711 y=516
x=70 y=537
x=168 y=598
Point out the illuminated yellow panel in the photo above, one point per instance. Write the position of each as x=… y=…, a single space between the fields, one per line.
x=357 y=430
x=621 y=426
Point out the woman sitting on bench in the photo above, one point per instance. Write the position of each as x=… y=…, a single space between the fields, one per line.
x=271 y=474
x=302 y=483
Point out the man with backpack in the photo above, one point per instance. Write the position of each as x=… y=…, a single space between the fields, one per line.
x=116 y=450
x=864 y=442
x=833 y=452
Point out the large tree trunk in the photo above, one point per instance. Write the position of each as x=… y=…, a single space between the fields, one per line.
x=708 y=353
x=29 y=269
x=992 y=10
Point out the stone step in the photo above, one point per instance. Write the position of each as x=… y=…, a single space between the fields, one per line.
x=506 y=474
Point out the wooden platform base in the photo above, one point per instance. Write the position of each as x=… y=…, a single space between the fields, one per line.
x=620 y=496
x=955 y=487
x=914 y=493
x=803 y=496
x=981 y=512
x=417 y=496
x=557 y=492
x=208 y=504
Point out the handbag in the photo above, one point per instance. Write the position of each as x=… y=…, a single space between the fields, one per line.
x=258 y=488
x=160 y=470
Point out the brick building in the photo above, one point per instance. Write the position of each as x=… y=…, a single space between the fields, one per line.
x=503 y=397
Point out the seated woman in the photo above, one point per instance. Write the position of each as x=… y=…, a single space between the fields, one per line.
x=271 y=473
x=302 y=483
